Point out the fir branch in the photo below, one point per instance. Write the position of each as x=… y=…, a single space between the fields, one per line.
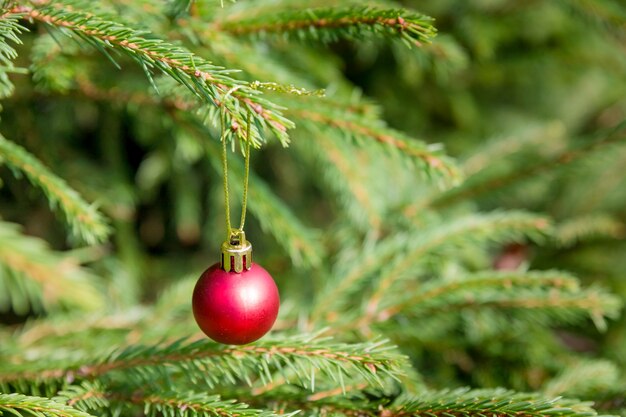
x=60 y=279
x=356 y=120
x=450 y=403
x=209 y=83
x=554 y=295
x=54 y=66
x=343 y=174
x=94 y=397
x=466 y=403
x=205 y=361
x=10 y=30
x=397 y=254
x=85 y=221
x=87 y=396
x=191 y=404
x=330 y=24
x=179 y=8
x=26 y=406
x=255 y=63
x=476 y=186
x=429 y=157
x=551 y=295
x=503 y=147
x=442 y=291
x=556 y=306
x=577 y=229
x=584 y=379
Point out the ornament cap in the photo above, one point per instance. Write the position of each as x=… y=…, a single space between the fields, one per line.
x=236 y=252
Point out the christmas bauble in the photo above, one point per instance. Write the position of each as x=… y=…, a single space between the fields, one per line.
x=235 y=308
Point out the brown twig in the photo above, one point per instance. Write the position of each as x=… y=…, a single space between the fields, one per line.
x=237 y=28
x=39 y=15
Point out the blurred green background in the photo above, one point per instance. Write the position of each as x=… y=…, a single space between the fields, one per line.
x=520 y=94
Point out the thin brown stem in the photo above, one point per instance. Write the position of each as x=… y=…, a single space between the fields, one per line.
x=382 y=137
x=243 y=28
x=41 y=16
x=92 y=371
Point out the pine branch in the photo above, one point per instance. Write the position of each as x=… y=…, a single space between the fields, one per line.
x=85 y=221
x=466 y=403
x=554 y=293
x=53 y=66
x=79 y=332
x=204 y=361
x=594 y=183
x=179 y=8
x=538 y=305
x=476 y=186
x=584 y=379
x=503 y=147
x=331 y=24
x=355 y=121
x=10 y=30
x=87 y=396
x=398 y=254
x=59 y=278
x=505 y=283
x=255 y=63
x=94 y=397
x=25 y=406
x=450 y=403
x=582 y=228
x=342 y=173
x=209 y=83
x=19 y=295
x=192 y=404
x=429 y=157
x=346 y=176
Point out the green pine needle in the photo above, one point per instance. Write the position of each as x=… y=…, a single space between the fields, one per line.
x=397 y=255
x=55 y=277
x=86 y=222
x=211 y=84
x=10 y=30
x=26 y=406
x=331 y=24
x=205 y=362
x=96 y=398
x=473 y=403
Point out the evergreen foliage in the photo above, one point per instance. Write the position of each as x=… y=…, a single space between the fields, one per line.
x=21 y=405
x=84 y=220
x=408 y=272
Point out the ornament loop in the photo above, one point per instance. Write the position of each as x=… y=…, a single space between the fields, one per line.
x=236 y=252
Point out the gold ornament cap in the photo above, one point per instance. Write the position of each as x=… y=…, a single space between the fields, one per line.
x=236 y=252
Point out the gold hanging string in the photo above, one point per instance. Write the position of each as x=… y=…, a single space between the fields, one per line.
x=246 y=175
x=244 y=204
x=225 y=170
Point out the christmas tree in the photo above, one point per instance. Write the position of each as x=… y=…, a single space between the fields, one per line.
x=483 y=279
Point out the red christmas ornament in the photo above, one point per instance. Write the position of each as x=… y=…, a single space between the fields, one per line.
x=235 y=301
